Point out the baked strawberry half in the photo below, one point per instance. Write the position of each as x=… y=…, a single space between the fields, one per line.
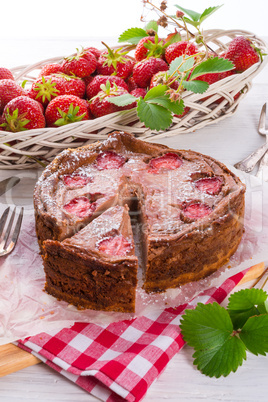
x=209 y=185
x=116 y=245
x=195 y=211
x=169 y=161
x=109 y=160
x=81 y=207
x=76 y=181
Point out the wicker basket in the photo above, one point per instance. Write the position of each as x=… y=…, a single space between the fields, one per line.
x=44 y=144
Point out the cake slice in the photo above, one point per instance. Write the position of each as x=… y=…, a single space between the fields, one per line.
x=97 y=267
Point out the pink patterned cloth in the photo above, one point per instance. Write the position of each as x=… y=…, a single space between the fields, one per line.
x=121 y=360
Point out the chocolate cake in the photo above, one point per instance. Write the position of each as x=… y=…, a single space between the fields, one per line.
x=189 y=208
x=97 y=267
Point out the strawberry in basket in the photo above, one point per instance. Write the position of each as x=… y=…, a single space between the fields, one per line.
x=46 y=88
x=23 y=113
x=66 y=109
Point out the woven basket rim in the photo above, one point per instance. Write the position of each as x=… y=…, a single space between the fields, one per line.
x=47 y=142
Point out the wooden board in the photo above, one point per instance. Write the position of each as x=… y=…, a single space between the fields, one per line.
x=12 y=358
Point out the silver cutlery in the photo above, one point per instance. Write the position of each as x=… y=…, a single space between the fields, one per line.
x=7 y=184
x=248 y=164
x=7 y=240
x=263 y=166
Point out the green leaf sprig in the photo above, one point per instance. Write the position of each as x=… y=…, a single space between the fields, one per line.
x=221 y=337
x=161 y=103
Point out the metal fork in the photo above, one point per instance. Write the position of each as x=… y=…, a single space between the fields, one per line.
x=7 y=246
x=248 y=164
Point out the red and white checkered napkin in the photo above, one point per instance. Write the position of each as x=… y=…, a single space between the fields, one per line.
x=120 y=361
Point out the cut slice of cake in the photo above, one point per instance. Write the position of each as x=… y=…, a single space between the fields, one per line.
x=97 y=267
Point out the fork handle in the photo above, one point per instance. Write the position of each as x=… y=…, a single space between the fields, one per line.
x=248 y=164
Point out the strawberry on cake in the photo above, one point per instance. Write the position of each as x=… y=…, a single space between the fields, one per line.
x=189 y=206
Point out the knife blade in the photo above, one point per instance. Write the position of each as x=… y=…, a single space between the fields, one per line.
x=7 y=184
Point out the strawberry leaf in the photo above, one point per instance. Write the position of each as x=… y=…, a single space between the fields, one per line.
x=173 y=38
x=212 y=65
x=192 y=14
x=174 y=65
x=207 y=326
x=246 y=298
x=132 y=35
x=245 y=304
x=197 y=87
x=254 y=334
x=122 y=100
x=208 y=11
x=159 y=90
x=222 y=359
x=152 y=25
x=209 y=329
x=154 y=116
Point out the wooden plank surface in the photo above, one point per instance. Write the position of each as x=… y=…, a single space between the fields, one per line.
x=13 y=359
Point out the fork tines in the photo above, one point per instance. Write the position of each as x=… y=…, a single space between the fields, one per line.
x=9 y=239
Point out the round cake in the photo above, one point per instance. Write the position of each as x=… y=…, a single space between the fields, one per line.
x=187 y=209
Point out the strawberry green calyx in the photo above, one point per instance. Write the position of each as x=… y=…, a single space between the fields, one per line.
x=107 y=89
x=15 y=122
x=70 y=117
x=79 y=53
x=114 y=56
x=46 y=89
x=156 y=48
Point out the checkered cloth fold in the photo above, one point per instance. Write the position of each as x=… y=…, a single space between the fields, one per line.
x=120 y=361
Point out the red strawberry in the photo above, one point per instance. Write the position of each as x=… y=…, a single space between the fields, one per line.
x=99 y=104
x=113 y=62
x=76 y=181
x=141 y=51
x=242 y=53
x=94 y=86
x=210 y=78
x=65 y=109
x=169 y=161
x=145 y=69
x=88 y=80
x=6 y=74
x=194 y=211
x=109 y=160
x=184 y=113
x=23 y=113
x=209 y=185
x=81 y=65
x=44 y=89
x=131 y=84
x=81 y=207
x=178 y=49
x=94 y=51
x=163 y=78
x=9 y=90
x=139 y=92
x=49 y=69
x=116 y=245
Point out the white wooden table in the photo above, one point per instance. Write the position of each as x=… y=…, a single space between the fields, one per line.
x=229 y=141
